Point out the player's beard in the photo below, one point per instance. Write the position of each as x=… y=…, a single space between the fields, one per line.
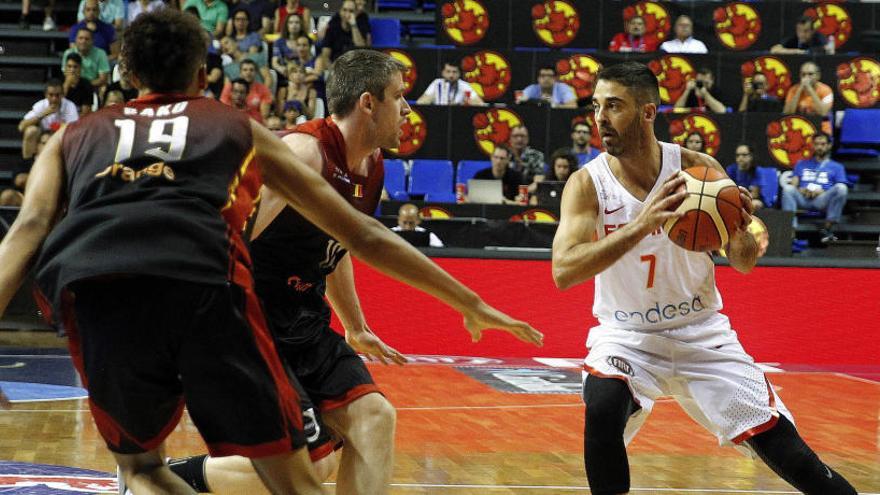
x=627 y=140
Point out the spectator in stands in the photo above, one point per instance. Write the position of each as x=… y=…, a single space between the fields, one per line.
x=48 y=114
x=818 y=183
x=702 y=93
x=501 y=170
x=236 y=59
x=213 y=14
x=580 y=142
x=633 y=40
x=684 y=41
x=742 y=171
x=563 y=163
x=273 y=123
x=408 y=220
x=259 y=98
x=344 y=32
x=810 y=96
x=48 y=22
x=284 y=48
x=450 y=89
x=113 y=97
x=248 y=41
x=805 y=40
x=214 y=74
x=293 y=114
x=694 y=142
x=296 y=8
x=238 y=98
x=362 y=17
x=755 y=97
x=110 y=11
x=95 y=66
x=138 y=7
x=526 y=160
x=123 y=85
x=76 y=89
x=103 y=34
x=548 y=89
x=299 y=90
x=260 y=15
x=11 y=197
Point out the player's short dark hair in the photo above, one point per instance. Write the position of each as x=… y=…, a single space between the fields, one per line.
x=635 y=76
x=164 y=49
x=357 y=72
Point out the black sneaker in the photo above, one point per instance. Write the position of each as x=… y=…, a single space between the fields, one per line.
x=23 y=22
x=827 y=236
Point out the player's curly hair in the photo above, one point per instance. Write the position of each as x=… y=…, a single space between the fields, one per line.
x=357 y=72
x=163 y=49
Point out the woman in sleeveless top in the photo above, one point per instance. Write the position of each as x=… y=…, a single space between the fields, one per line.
x=299 y=89
x=292 y=7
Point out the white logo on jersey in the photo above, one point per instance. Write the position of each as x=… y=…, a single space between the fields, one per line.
x=334 y=253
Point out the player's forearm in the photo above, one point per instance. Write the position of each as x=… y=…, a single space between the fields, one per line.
x=16 y=251
x=743 y=252
x=343 y=296
x=581 y=262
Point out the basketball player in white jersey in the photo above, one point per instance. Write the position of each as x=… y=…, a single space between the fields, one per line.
x=660 y=332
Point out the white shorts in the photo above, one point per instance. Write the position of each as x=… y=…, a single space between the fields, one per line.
x=702 y=366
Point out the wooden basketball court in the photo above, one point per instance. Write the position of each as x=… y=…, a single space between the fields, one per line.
x=458 y=435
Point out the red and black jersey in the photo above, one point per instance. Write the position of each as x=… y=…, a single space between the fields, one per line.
x=161 y=186
x=292 y=257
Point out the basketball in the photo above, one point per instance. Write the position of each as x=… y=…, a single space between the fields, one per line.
x=711 y=211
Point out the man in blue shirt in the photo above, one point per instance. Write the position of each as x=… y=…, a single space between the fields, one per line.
x=818 y=184
x=104 y=34
x=559 y=95
x=743 y=173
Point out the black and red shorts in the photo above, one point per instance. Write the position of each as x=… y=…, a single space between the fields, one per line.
x=145 y=346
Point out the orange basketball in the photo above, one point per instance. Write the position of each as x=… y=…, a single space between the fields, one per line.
x=711 y=211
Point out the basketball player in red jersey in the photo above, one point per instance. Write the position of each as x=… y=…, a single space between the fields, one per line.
x=660 y=332
x=296 y=264
x=149 y=273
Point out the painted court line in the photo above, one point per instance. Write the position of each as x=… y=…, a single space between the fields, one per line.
x=584 y=489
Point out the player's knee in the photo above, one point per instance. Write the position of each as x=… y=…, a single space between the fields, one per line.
x=609 y=404
x=326 y=466
x=375 y=409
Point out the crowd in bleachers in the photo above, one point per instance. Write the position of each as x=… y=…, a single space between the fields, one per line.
x=268 y=58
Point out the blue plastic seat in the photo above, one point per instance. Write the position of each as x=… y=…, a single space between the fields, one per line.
x=396 y=4
x=468 y=168
x=395 y=179
x=430 y=176
x=858 y=133
x=440 y=197
x=386 y=32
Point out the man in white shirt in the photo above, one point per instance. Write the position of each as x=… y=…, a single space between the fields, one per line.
x=684 y=41
x=48 y=114
x=408 y=220
x=450 y=89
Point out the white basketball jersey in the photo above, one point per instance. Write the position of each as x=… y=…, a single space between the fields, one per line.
x=656 y=285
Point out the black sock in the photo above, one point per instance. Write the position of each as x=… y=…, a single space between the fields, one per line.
x=192 y=471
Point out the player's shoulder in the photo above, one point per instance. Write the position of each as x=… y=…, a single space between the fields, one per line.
x=690 y=158
x=306 y=147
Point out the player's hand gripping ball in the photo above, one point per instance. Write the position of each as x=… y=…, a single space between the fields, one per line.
x=711 y=211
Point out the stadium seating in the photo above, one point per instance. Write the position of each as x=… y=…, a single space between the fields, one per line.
x=468 y=168
x=440 y=197
x=395 y=179
x=858 y=133
x=386 y=32
x=430 y=176
x=769 y=183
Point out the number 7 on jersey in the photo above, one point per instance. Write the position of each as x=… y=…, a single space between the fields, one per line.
x=652 y=262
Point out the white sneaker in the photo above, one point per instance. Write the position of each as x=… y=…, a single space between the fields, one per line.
x=49 y=24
